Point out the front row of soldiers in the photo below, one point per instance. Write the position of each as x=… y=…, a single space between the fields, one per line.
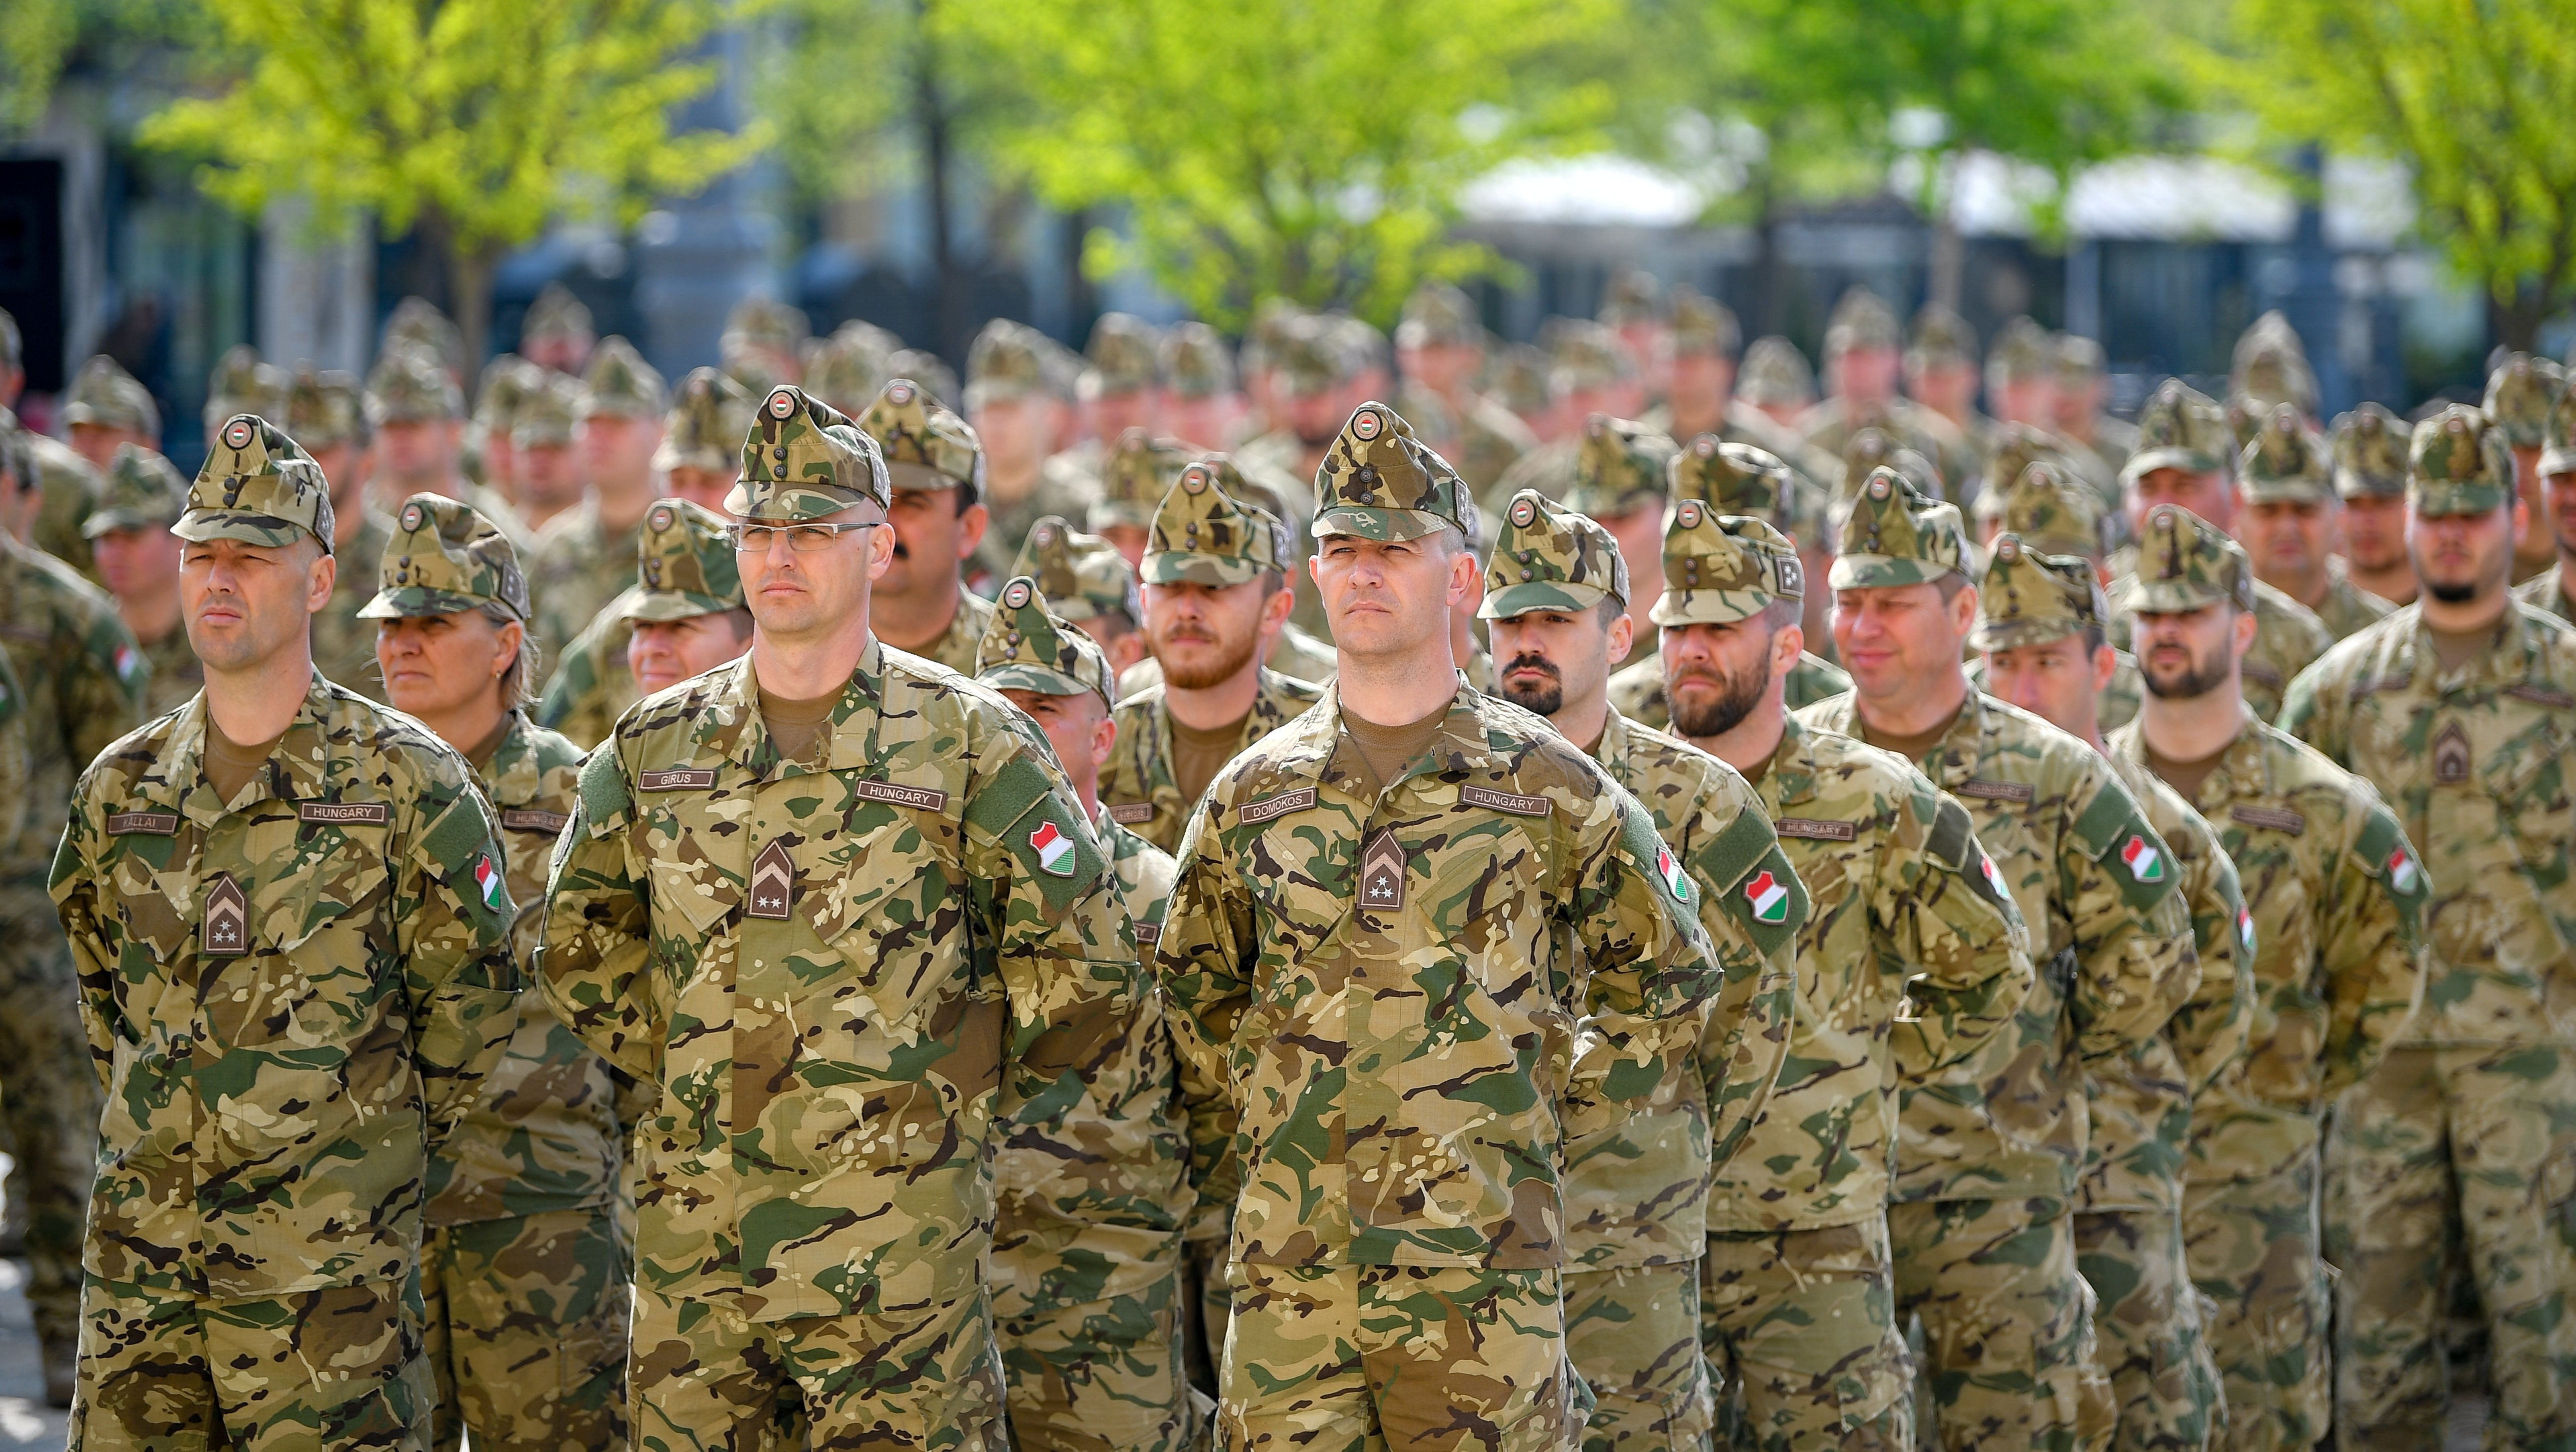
x=1476 y=1070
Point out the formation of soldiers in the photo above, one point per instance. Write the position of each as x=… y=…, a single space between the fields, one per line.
x=1350 y=894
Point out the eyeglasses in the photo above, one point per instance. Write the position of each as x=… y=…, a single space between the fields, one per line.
x=804 y=539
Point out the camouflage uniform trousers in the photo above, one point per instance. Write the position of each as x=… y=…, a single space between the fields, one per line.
x=2254 y=1253
x=2473 y=1145
x=1206 y=1307
x=2148 y=1325
x=2007 y=1325
x=332 y=1370
x=1397 y=1359
x=1800 y=1331
x=1633 y=1333
x=526 y=1328
x=50 y=1098
x=703 y=1376
x=1102 y=1376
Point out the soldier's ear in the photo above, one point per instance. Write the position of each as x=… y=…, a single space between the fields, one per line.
x=972 y=521
x=880 y=550
x=318 y=583
x=1623 y=635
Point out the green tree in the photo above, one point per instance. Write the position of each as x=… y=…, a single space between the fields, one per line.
x=477 y=121
x=34 y=34
x=1279 y=147
x=2471 y=96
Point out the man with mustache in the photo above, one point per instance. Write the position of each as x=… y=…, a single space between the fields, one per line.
x=2457 y=709
x=937 y=519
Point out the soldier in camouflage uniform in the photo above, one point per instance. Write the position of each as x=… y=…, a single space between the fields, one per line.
x=242 y=383
x=138 y=558
x=683 y=617
x=1215 y=590
x=1863 y=358
x=2336 y=957
x=833 y=834
x=763 y=343
x=509 y=381
x=557 y=332
x=2187 y=456
x=524 y=1263
x=1778 y=382
x=2549 y=590
x=2040 y=626
x=1091 y=1318
x=547 y=449
x=2286 y=481
x=1727 y=478
x=2056 y=513
x=1990 y=1152
x=1363 y=949
x=580 y=559
x=937 y=463
x=1913 y=958
x=1702 y=397
x=2369 y=448
x=1620 y=478
x=81 y=684
x=1635 y=1191
x=1086 y=581
x=1015 y=395
x=847 y=369
x=2520 y=389
x=69 y=485
x=1135 y=474
x=2083 y=385
x=106 y=408
x=417 y=417
x=326 y=413
x=1440 y=346
x=2457 y=709
x=292 y=923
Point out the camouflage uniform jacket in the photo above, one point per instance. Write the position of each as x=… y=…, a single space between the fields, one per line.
x=2288 y=638
x=1398 y=1078
x=576 y=568
x=543 y=1134
x=1636 y=1193
x=2142 y=1103
x=2476 y=765
x=2109 y=938
x=2542 y=592
x=1637 y=692
x=1137 y=785
x=1829 y=427
x=344 y=647
x=272 y=1107
x=13 y=750
x=955 y=646
x=591 y=686
x=1912 y=960
x=2347 y=608
x=1067 y=484
x=84 y=681
x=1144 y=873
x=841 y=974
x=177 y=674
x=1481 y=440
x=71 y=488
x=2338 y=951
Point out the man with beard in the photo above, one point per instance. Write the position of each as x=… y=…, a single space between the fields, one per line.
x=2337 y=964
x=1991 y=1151
x=2550 y=589
x=938 y=517
x=2039 y=625
x=2456 y=707
x=2286 y=477
x=2369 y=447
x=1636 y=1192
x=1216 y=593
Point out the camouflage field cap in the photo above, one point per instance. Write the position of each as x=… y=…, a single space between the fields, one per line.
x=1379 y=482
x=2080 y=362
x=1550 y=557
x=1741 y=479
x=2052 y=509
x=1083 y=574
x=1195 y=362
x=1583 y=355
x=2558 y=442
x=243 y=383
x=1135 y=474
x=1120 y=358
x=2180 y=428
x=685 y=567
x=555 y=314
x=105 y=395
x=2023 y=352
x=2287 y=463
x=925 y=446
x=618 y=382
x=2519 y=392
x=2457 y=464
x=257 y=486
x=1005 y=362
x=409 y=385
x=1721 y=568
x=2016 y=448
x=1207 y=534
x=2029 y=597
x=2369 y=446
x=1516 y=374
x=1871 y=448
x=1633 y=295
x=847 y=369
x=507 y=381
x=416 y=322
x=927 y=369
x=1438 y=315
x=2270 y=366
x=2184 y=563
x=1894 y=534
x=326 y=408
x=143 y=491
x=1862 y=319
x=1029 y=647
x=706 y=423
x=804 y=459
x=445 y=558
x=548 y=412
x=1776 y=375
x=1311 y=358
x=1941 y=337
x=768 y=323
x=1703 y=327
x=1619 y=467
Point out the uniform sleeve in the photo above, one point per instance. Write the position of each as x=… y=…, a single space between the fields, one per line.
x=1746 y=1037
x=2210 y=1030
x=1651 y=974
x=1204 y=960
x=74 y=885
x=2134 y=959
x=453 y=902
x=595 y=952
x=102 y=687
x=2312 y=710
x=2371 y=946
x=1952 y=932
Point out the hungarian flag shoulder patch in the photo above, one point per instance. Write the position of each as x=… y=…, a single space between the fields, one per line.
x=1994 y=876
x=2245 y=929
x=488 y=878
x=1769 y=898
x=1055 y=851
x=2403 y=875
x=2144 y=862
x=1676 y=881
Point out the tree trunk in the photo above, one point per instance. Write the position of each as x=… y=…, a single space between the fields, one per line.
x=2515 y=324
x=1770 y=311
x=930 y=109
x=469 y=292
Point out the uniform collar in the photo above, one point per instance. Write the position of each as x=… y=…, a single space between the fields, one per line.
x=731 y=726
x=1954 y=760
x=513 y=778
x=297 y=771
x=2244 y=768
x=2511 y=656
x=1793 y=764
x=1324 y=752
